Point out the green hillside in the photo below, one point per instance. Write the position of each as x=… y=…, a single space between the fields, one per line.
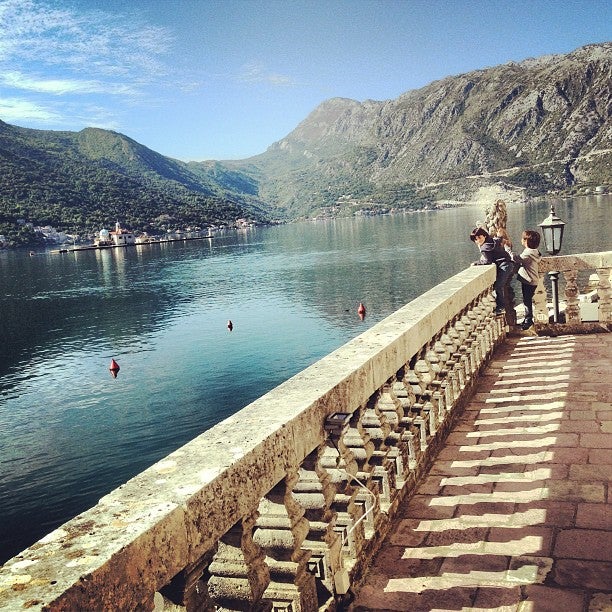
x=81 y=182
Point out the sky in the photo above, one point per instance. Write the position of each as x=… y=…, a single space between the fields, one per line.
x=225 y=79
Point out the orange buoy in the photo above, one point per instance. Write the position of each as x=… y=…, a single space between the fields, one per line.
x=230 y=325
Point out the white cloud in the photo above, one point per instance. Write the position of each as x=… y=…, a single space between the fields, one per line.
x=255 y=72
x=49 y=54
x=12 y=109
x=93 y=42
x=17 y=80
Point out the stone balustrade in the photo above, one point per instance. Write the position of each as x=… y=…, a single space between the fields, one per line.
x=570 y=267
x=280 y=506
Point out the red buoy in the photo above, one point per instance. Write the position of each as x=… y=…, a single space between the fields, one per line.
x=114 y=366
x=361 y=311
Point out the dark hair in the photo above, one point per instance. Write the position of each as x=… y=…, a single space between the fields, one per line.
x=532 y=238
x=479 y=231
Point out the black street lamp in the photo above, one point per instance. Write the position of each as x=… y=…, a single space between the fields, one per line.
x=552 y=230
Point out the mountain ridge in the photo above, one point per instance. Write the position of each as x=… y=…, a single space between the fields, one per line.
x=554 y=110
x=542 y=125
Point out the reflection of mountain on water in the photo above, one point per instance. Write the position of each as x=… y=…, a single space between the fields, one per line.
x=93 y=299
x=384 y=262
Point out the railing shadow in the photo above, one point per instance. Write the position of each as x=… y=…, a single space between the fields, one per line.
x=508 y=511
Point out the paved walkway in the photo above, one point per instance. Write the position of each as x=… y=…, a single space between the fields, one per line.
x=516 y=513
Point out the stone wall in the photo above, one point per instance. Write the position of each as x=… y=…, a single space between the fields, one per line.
x=574 y=292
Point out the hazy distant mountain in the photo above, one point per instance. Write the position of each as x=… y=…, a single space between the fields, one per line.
x=543 y=124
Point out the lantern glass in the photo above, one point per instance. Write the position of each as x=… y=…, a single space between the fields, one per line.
x=552 y=231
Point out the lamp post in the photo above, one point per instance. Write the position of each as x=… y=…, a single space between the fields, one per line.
x=552 y=230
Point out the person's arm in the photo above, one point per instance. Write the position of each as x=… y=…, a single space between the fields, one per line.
x=486 y=255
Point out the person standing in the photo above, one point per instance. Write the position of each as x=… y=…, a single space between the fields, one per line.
x=529 y=273
x=492 y=252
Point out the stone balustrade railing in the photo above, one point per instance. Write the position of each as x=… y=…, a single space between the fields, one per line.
x=280 y=506
x=577 y=311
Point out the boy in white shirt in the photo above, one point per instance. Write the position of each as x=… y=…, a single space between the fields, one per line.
x=528 y=273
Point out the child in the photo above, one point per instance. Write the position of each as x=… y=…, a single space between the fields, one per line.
x=528 y=273
x=492 y=252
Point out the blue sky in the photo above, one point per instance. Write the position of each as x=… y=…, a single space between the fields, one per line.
x=224 y=79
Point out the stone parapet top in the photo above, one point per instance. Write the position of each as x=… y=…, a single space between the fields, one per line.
x=581 y=261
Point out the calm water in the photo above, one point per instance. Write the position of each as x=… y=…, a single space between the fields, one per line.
x=69 y=433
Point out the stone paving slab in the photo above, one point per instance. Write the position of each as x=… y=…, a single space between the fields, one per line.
x=516 y=512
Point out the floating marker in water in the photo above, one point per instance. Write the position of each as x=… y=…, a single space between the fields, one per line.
x=114 y=368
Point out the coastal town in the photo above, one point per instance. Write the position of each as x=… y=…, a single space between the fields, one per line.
x=122 y=237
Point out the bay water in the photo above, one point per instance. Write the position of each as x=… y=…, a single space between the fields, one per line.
x=70 y=432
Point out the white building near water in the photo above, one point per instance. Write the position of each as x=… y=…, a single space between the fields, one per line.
x=118 y=237
x=121 y=237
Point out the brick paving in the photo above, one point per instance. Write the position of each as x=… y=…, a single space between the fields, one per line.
x=515 y=514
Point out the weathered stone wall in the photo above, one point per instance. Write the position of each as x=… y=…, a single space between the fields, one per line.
x=267 y=507
x=568 y=268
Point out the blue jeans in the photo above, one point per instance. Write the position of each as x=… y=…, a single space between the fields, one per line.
x=505 y=269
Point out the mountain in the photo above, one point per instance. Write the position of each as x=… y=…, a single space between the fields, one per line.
x=83 y=181
x=543 y=125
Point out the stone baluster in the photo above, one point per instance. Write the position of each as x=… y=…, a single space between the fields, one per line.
x=540 y=303
x=417 y=408
x=315 y=492
x=572 y=308
x=351 y=534
x=479 y=341
x=238 y=573
x=432 y=358
x=413 y=455
x=483 y=330
x=359 y=448
x=280 y=531
x=426 y=376
x=188 y=589
x=463 y=347
x=459 y=366
x=444 y=390
x=493 y=327
x=497 y=324
x=477 y=349
x=405 y=396
x=377 y=430
x=437 y=397
x=430 y=413
x=421 y=423
x=604 y=294
x=414 y=382
x=337 y=463
x=452 y=388
x=391 y=409
x=470 y=343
